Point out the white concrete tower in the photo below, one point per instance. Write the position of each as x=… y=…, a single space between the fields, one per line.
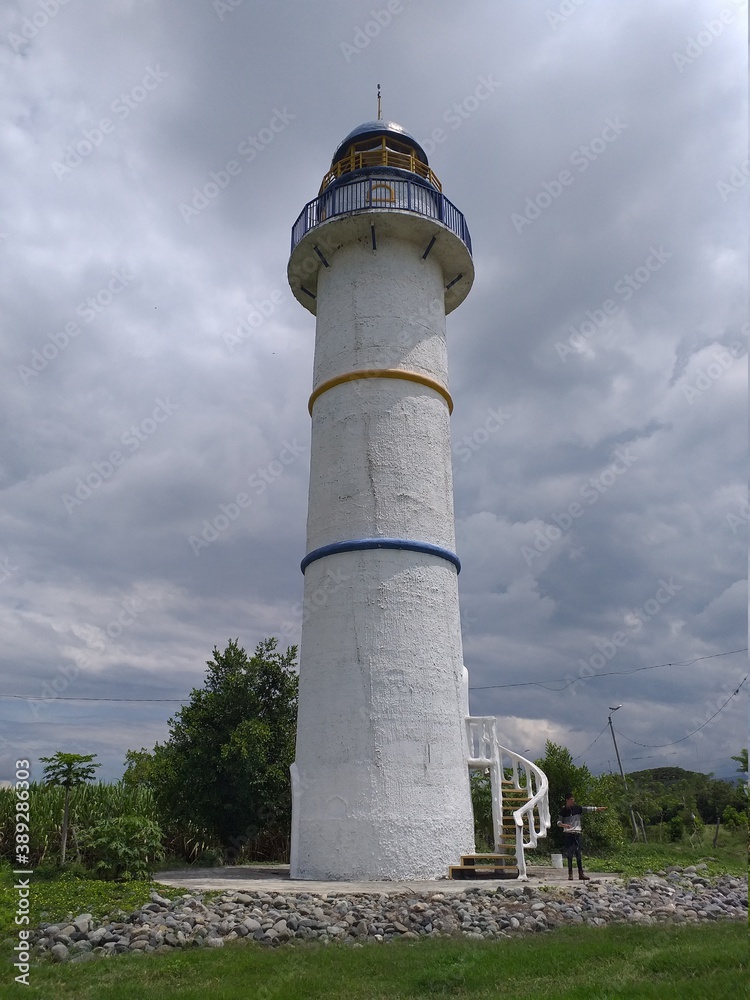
x=380 y=782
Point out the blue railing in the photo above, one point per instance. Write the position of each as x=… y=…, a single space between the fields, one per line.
x=380 y=192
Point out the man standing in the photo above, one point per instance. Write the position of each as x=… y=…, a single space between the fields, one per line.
x=570 y=821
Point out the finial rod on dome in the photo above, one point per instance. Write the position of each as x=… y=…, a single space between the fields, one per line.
x=380 y=115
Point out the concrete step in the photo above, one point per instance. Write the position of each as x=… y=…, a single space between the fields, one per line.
x=482 y=871
x=479 y=859
x=500 y=864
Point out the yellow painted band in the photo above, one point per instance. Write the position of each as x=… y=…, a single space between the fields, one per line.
x=381 y=373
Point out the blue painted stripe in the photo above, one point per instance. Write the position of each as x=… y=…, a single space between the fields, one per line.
x=355 y=544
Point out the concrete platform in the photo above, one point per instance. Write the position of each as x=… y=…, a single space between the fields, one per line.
x=275 y=879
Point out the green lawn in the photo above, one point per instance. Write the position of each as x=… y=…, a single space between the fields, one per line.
x=728 y=857
x=53 y=899
x=620 y=961
x=596 y=963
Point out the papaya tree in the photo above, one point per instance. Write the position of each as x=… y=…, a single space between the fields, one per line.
x=68 y=770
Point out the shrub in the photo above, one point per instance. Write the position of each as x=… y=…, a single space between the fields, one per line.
x=49 y=870
x=733 y=819
x=676 y=828
x=125 y=847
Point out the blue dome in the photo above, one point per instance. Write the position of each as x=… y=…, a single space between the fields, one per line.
x=371 y=130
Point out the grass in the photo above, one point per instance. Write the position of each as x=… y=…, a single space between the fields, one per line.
x=730 y=856
x=52 y=900
x=612 y=962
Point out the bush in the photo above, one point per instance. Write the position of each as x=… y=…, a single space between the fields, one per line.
x=210 y=858
x=676 y=828
x=125 y=847
x=734 y=819
x=48 y=870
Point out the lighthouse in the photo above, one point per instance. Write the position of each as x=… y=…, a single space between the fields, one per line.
x=380 y=783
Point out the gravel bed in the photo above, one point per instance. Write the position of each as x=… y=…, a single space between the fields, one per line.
x=677 y=896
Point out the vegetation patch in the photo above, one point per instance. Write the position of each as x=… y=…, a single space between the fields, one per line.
x=632 y=963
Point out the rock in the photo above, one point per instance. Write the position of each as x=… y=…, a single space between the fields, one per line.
x=479 y=913
x=83 y=956
x=83 y=922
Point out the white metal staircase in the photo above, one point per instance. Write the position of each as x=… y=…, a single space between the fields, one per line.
x=520 y=803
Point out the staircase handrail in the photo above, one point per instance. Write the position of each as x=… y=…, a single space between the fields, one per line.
x=536 y=805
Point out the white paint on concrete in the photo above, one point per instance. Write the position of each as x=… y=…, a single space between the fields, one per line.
x=381 y=788
x=381 y=310
x=452 y=254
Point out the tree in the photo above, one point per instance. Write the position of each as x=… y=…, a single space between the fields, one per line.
x=224 y=771
x=564 y=776
x=68 y=769
x=138 y=769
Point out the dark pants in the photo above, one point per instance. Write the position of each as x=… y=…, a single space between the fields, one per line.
x=572 y=843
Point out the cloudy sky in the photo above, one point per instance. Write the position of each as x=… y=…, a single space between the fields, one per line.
x=154 y=157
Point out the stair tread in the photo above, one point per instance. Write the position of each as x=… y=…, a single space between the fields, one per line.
x=482 y=868
x=470 y=873
x=486 y=857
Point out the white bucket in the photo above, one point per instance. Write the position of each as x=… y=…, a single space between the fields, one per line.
x=557 y=861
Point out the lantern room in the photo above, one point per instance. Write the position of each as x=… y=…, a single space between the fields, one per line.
x=379 y=144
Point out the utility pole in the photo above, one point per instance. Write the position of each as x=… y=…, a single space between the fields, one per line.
x=624 y=780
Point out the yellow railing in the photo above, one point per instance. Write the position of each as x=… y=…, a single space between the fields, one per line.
x=356 y=159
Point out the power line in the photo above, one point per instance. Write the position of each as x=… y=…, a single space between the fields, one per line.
x=653 y=756
x=590 y=744
x=682 y=740
x=609 y=673
x=487 y=687
x=25 y=697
